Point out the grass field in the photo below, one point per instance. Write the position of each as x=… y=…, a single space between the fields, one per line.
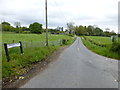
x=9 y=37
x=18 y=63
x=101 y=40
x=105 y=51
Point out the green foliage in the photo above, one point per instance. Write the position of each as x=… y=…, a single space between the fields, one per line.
x=64 y=41
x=5 y=23
x=6 y=28
x=100 y=40
x=115 y=47
x=36 y=28
x=80 y=30
x=25 y=60
x=70 y=27
x=92 y=31
x=54 y=31
x=18 y=63
x=97 y=32
x=111 y=50
x=8 y=37
x=26 y=32
x=68 y=41
x=70 y=35
x=25 y=29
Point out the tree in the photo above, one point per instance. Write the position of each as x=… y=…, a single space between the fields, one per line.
x=97 y=32
x=70 y=27
x=35 y=28
x=18 y=25
x=25 y=29
x=81 y=30
x=112 y=33
x=6 y=23
x=6 y=26
x=90 y=30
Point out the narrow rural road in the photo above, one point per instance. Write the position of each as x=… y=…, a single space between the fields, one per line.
x=77 y=67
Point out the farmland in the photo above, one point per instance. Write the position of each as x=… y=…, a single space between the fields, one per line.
x=19 y=62
x=101 y=40
x=96 y=45
x=9 y=37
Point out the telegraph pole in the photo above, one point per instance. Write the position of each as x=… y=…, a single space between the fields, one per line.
x=46 y=23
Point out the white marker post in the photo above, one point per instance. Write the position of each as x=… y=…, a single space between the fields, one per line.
x=7 y=46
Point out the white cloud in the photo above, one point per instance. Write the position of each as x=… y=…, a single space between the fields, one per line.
x=103 y=13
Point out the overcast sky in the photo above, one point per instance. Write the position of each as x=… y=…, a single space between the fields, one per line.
x=103 y=13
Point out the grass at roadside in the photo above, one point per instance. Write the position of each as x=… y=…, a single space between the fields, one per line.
x=104 y=51
x=18 y=63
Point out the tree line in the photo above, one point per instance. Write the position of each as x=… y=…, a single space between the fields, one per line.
x=33 y=28
x=89 y=30
x=71 y=29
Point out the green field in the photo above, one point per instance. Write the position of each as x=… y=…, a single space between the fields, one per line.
x=18 y=63
x=101 y=40
x=8 y=37
x=98 y=48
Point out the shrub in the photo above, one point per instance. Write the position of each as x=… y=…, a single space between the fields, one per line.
x=64 y=41
x=26 y=32
x=115 y=47
x=70 y=35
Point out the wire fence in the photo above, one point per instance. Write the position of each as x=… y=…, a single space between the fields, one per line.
x=33 y=44
x=27 y=44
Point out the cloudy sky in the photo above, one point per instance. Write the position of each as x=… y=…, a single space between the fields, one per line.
x=103 y=13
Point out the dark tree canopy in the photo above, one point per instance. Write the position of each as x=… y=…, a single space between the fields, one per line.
x=35 y=28
x=6 y=23
x=92 y=31
x=6 y=26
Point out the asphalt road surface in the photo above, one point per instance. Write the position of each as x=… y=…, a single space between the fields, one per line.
x=77 y=67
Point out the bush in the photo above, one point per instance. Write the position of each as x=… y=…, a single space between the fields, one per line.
x=36 y=28
x=115 y=47
x=70 y=35
x=26 y=32
x=64 y=41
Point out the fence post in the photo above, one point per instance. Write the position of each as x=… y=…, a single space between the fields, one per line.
x=21 y=49
x=61 y=42
x=13 y=41
x=31 y=44
x=6 y=51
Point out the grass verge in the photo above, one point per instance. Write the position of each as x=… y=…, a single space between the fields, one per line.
x=104 y=51
x=19 y=64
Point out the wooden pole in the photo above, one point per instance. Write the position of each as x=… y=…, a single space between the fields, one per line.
x=21 y=49
x=6 y=52
x=46 y=23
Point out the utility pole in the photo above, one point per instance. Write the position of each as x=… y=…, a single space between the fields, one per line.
x=46 y=23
